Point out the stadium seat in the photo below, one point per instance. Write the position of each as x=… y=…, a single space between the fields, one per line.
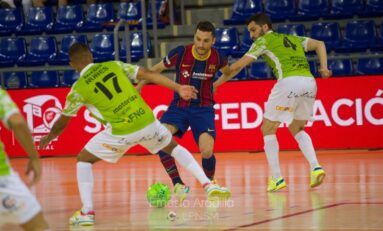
x=242 y=10
x=245 y=44
x=68 y=18
x=242 y=75
x=149 y=22
x=14 y=80
x=340 y=67
x=260 y=70
x=313 y=68
x=380 y=37
x=62 y=57
x=136 y=47
x=41 y=49
x=44 y=79
x=69 y=77
x=280 y=10
x=11 y=20
x=38 y=20
x=328 y=32
x=373 y=8
x=370 y=66
x=130 y=11
x=11 y=50
x=311 y=10
x=359 y=35
x=102 y=47
x=345 y=8
x=292 y=29
x=97 y=17
x=226 y=40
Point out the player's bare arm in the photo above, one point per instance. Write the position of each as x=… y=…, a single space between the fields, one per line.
x=320 y=48
x=187 y=92
x=233 y=70
x=56 y=130
x=158 y=68
x=20 y=128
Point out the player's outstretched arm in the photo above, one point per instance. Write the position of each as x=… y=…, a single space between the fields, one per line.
x=233 y=70
x=56 y=130
x=320 y=48
x=20 y=128
x=187 y=92
x=159 y=67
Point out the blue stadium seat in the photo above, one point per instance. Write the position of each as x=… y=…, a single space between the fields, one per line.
x=242 y=10
x=340 y=67
x=68 y=18
x=359 y=35
x=292 y=29
x=373 y=8
x=328 y=32
x=242 y=75
x=280 y=10
x=130 y=11
x=313 y=68
x=149 y=22
x=102 y=47
x=41 y=49
x=14 y=80
x=38 y=20
x=245 y=44
x=11 y=20
x=44 y=79
x=345 y=8
x=136 y=47
x=97 y=16
x=311 y=10
x=62 y=57
x=226 y=40
x=69 y=77
x=370 y=66
x=380 y=37
x=260 y=70
x=11 y=50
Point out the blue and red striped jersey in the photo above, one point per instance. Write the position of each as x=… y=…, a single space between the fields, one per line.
x=196 y=72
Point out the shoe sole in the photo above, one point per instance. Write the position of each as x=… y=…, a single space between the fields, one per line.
x=218 y=195
x=277 y=189
x=82 y=223
x=319 y=180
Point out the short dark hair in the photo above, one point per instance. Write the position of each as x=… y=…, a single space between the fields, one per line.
x=260 y=19
x=78 y=49
x=206 y=26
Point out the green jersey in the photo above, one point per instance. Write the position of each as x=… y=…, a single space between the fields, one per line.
x=7 y=108
x=106 y=90
x=284 y=53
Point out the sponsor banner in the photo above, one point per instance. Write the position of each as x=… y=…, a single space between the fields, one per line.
x=348 y=114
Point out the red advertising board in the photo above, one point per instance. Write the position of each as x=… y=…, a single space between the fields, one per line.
x=348 y=114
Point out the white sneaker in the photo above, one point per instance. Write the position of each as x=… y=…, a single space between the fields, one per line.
x=79 y=218
x=215 y=192
x=181 y=191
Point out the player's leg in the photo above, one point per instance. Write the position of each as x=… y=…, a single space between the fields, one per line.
x=206 y=146
x=271 y=146
x=37 y=223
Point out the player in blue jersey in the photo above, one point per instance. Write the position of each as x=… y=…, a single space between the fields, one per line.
x=196 y=64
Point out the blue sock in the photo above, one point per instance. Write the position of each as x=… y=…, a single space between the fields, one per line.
x=209 y=166
x=170 y=166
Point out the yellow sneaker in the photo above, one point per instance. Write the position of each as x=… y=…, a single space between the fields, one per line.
x=79 y=218
x=217 y=193
x=317 y=176
x=181 y=191
x=276 y=185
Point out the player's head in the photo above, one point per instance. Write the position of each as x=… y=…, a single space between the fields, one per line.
x=258 y=25
x=79 y=56
x=204 y=37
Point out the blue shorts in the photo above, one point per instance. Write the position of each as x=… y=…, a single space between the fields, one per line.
x=200 y=120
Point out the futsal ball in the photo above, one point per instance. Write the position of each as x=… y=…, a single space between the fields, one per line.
x=158 y=195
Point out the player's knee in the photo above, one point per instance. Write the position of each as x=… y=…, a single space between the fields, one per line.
x=268 y=128
x=294 y=128
x=170 y=147
x=206 y=153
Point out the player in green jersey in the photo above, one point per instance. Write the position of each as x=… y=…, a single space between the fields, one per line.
x=17 y=204
x=106 y=90
x=292 y=97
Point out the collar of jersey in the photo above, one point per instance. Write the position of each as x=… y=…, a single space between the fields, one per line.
x=86 y=68
x=195 y=55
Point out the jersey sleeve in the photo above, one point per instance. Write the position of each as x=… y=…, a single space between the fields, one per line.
x=303 y=41
x=223 y=60
x=74 y=101
x=130 y=70
x=257 y=48
x=170 y=60
x=7 y=107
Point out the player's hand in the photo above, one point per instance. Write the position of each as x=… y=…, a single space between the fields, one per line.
x=33 y=171
x=325 y=73
x=187 y=92
x=44 y=141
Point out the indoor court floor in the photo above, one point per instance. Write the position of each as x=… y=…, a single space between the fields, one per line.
x=351 y=197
